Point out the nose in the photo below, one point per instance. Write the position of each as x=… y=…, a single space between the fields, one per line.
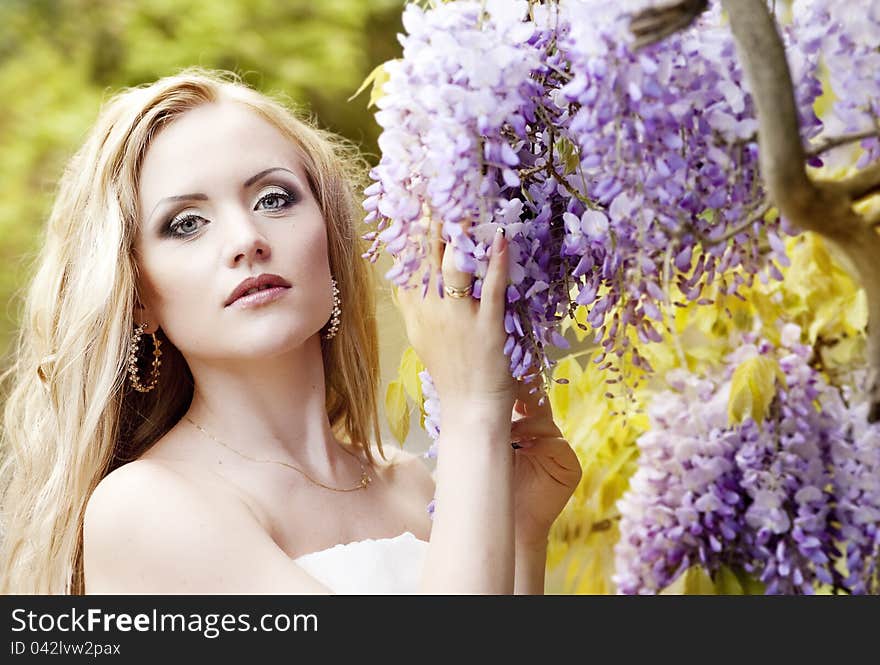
x=247 y=243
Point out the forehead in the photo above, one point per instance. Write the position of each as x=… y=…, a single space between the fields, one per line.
x=215 y=144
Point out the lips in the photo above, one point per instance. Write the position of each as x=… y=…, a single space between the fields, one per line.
x=264 y=281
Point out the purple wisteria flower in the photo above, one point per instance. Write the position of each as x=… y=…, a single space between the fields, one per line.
x=790 y=500
x=615 y=173
x=682 y=507
x=431 y=407
x=846 y=35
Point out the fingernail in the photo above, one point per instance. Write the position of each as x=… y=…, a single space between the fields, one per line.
x=499 y=242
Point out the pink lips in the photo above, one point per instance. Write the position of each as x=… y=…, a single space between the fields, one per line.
x=269 y=288
x=260 y=297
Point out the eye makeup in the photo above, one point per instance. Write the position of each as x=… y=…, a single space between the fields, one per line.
x=271 y=199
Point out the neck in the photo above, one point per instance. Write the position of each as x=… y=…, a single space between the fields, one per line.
x=270 y=408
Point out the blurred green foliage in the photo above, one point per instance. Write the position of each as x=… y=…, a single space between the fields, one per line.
x=59 y=59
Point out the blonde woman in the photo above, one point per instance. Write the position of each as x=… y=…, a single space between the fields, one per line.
x=192 y=405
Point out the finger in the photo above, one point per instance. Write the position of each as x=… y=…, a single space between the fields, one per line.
x=493 y=296
x=567 y=478
x=436 y=244
x=452 y=275
x=401 y=297
x=528 y=428
x=555 y=448
x=531 y=400
x=555 y=456
x=403 y=300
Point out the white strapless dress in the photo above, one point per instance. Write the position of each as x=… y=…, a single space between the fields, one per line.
x=371 y=566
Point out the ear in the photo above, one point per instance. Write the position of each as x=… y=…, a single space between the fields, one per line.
x=143 y=315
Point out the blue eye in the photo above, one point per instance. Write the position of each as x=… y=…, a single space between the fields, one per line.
x=187 y=224
x=181 y=223
x=278 y=199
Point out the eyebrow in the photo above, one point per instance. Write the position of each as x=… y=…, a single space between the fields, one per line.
x=204 y=197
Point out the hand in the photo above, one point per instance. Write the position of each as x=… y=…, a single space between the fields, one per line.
x=461 y=340
x=546 y=469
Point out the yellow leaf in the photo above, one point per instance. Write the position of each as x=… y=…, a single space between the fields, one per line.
x=818 y=254
x=843 y=354
x=397 y=411
x=408 y=374
x=739 y=404
x=824 y=317
x=580 y=316
x=704 y=319
x=824 y=102
x=377 y=78
x=561 y=393
x=752 y=388
x=857 y=311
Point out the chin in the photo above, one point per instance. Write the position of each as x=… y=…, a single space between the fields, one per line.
x=273 y=342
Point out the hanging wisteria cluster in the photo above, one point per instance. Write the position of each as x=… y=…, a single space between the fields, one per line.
x=787 y=500
x=615 y=173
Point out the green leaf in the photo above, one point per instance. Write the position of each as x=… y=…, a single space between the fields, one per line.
x=750 y=585
x=397 y=411
x=708 y=215
x=695 y=581
x=727 y=583
x=753 y=388
x=568 y=155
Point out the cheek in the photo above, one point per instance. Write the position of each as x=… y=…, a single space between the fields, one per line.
x=310 y=257
x=173 y=286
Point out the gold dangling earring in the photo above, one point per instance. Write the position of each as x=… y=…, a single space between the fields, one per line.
x=337 y=311
x=132 y=360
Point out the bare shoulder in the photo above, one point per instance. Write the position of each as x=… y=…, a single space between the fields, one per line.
x=143 y=489
x=408 y=469
x=149 y=529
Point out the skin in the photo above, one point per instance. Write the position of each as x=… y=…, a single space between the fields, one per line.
x=517 y=495
x=258 y=373
x=216 y=522
x=261 y=380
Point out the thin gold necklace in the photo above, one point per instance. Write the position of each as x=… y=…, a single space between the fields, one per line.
x=362 y=485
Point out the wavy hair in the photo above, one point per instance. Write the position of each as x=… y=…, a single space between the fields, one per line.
x=71 y=417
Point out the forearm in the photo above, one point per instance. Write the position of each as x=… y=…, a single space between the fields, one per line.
x=472 y=538
x=531 y=564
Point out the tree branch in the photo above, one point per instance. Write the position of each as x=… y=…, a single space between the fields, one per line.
x=861 y=185
x=655 y=23
x=763 y=58
x=825 y=208
x=735 y=231
x=836 y=141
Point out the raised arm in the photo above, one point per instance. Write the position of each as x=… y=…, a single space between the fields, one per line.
x=461 y=341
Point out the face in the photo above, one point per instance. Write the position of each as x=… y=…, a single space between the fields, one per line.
x=223 y=197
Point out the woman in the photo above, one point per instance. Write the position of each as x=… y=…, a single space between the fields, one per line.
x=194 y=389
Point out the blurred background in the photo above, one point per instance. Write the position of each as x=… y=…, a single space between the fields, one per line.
x=59 y=59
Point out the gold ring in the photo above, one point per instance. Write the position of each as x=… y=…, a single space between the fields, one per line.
x=455 y=292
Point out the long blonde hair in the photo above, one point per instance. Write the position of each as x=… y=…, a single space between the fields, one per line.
x=71 y=417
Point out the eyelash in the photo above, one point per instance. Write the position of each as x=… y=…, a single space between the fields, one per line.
x=288 y=198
